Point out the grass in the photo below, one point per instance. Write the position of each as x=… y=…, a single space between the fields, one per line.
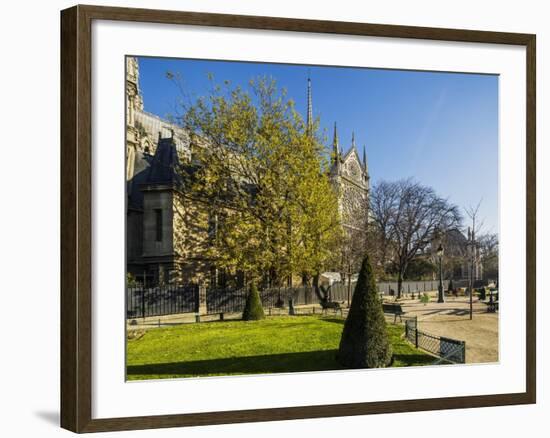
x=274 y=345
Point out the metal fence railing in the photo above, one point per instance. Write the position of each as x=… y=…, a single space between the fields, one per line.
x=233 y=300
x=447 y=349
x=163 y=300
x=411 y=287
x=171 y=299
x=225 y=300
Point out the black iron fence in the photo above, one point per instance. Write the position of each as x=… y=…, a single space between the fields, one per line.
x=233 y=300
x=161 y=300
x=171 y=299
x=225 y=300
x=447 y=349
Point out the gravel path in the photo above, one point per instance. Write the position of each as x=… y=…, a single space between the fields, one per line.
x=451 y=319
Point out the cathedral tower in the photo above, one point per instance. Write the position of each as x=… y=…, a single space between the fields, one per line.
x=348 y=174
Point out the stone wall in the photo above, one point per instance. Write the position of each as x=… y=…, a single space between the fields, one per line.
x=153 y=200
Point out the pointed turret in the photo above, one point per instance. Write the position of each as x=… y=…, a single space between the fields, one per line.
x=309 y=106
x=335 y=135
x=335 y=146
x=353 y=139
x=365 y=167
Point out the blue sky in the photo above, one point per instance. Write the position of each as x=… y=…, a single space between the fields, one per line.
x=440 y=128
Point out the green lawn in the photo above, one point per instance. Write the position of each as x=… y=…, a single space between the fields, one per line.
x=274 y=345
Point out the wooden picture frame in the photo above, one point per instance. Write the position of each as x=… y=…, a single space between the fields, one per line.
x=76 y=218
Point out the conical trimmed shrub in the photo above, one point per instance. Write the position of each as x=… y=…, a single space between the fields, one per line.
x=253 y=309
x=364 y=342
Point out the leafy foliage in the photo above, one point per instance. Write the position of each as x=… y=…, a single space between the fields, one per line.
x=131 y=280
x=420 y=269
x=264 y=179
x=364 y=342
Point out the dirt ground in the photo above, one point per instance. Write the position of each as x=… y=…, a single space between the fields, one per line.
x=452 y=319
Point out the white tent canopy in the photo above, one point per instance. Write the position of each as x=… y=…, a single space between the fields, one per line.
x=330 y=277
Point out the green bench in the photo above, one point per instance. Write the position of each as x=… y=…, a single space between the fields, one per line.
x=393 y=309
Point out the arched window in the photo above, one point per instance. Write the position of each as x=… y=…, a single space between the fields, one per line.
x=146 y=146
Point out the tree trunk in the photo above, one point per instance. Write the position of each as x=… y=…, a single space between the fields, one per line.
x=399 y=285
x=320 y=294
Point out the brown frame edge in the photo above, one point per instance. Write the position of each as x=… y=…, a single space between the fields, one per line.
x=76 y=172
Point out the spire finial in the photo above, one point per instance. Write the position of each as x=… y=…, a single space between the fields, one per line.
x=352 y=139
x=335 y=146
x=365 y=158
x=336 y=156
x=309 y=104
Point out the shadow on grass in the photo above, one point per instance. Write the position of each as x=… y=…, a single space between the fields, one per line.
x=324 y=360
x=334 y=320
x=274 y=363
x=407 y=360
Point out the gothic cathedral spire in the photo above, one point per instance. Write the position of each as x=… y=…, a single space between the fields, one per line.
x=365 y=168
x=353 y=140
x=335 y=147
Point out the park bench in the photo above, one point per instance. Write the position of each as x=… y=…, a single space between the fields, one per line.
x=325 y=305
x=394 y=309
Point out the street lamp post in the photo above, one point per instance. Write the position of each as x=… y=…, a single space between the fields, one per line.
x=472 y=253
x=440 y=297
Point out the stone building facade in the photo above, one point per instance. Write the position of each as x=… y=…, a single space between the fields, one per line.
x=350 y=177
x=161 y=226
x=461 y=257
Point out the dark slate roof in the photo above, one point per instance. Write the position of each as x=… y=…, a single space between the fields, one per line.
x=454 y=242
x=159 y=169
x=141 y=173
x=165 y=163
x=143 y=161
x=455 y=236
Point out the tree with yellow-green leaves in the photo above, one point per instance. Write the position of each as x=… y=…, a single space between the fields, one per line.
x=263 y=176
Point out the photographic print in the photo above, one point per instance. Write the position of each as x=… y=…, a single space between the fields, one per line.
x=317 y=231
x=287 y=218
